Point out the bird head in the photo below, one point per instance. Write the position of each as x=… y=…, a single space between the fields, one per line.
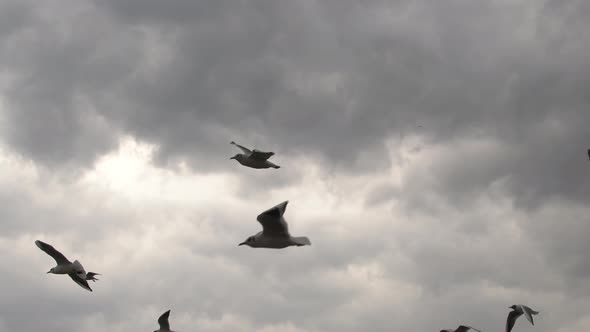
x=236 y=157
x=513 y=307
x=249 y=242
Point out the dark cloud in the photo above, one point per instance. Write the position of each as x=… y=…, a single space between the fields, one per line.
x=331 y=79
x=461 y=127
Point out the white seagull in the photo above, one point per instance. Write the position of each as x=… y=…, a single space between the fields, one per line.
x=75 y=270
x=254 y=158
x=164 y=324
x=517 y=311
x=461 y=328
x=275 y=231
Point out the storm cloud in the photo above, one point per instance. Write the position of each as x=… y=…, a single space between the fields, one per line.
x=433 y=151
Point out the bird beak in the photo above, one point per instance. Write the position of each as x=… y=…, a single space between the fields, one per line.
x=241 y=244
x=232 y=158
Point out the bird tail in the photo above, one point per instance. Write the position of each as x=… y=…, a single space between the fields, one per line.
x=302 y=241
x=91 y=276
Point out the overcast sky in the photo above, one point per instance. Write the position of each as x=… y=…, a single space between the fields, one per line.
x=433 y=151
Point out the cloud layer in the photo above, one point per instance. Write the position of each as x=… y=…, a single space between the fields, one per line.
x=434 y=152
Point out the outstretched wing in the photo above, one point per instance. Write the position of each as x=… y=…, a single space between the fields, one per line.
x=83 y=283
x=245 y=150
x=163 y=321
x=261 y=155
x=272 y=220
x=51 y=251
x=528 y=313
x=512 y=316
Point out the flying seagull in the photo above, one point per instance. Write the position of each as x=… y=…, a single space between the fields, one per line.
x=517 y=311
x=75 y=270
x=275 y=231
x=461 y=328
x=164 y=324
x=254 y=158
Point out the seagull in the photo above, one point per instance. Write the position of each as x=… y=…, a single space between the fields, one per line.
x=461 y=328
x=254 y=158
x=75 y=270
x=163 y=321
x=517 y=311
x=275 y=231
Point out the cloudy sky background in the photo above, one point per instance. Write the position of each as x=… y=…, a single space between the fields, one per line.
x=433 y=151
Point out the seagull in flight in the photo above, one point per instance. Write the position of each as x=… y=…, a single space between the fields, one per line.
x=164 y=324
x=254 y=158
x=461 y=328
x=517 y=311
x=75 y=270
x=275 y=231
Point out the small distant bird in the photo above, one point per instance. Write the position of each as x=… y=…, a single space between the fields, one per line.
x=461 y=328
x=517 y=311
x=588 y=153
x=254 y=158
x=75 y=270
x=275 y=231
x=163 y=321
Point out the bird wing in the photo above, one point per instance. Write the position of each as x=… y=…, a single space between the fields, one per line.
x=272 y=220
x=512 y=316
x=51 y=251
x=528 y=313
x=261 y=155
x=245 y=150
x=163 y=321
x=83 y=283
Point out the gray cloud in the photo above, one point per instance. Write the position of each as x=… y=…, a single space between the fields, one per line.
x=332 y=80
x=449 y=138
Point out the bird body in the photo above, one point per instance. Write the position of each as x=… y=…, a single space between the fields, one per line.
x=254 y=158
x=517 y=311
x=73 y=269
x=275 y=231
x=277 y=242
